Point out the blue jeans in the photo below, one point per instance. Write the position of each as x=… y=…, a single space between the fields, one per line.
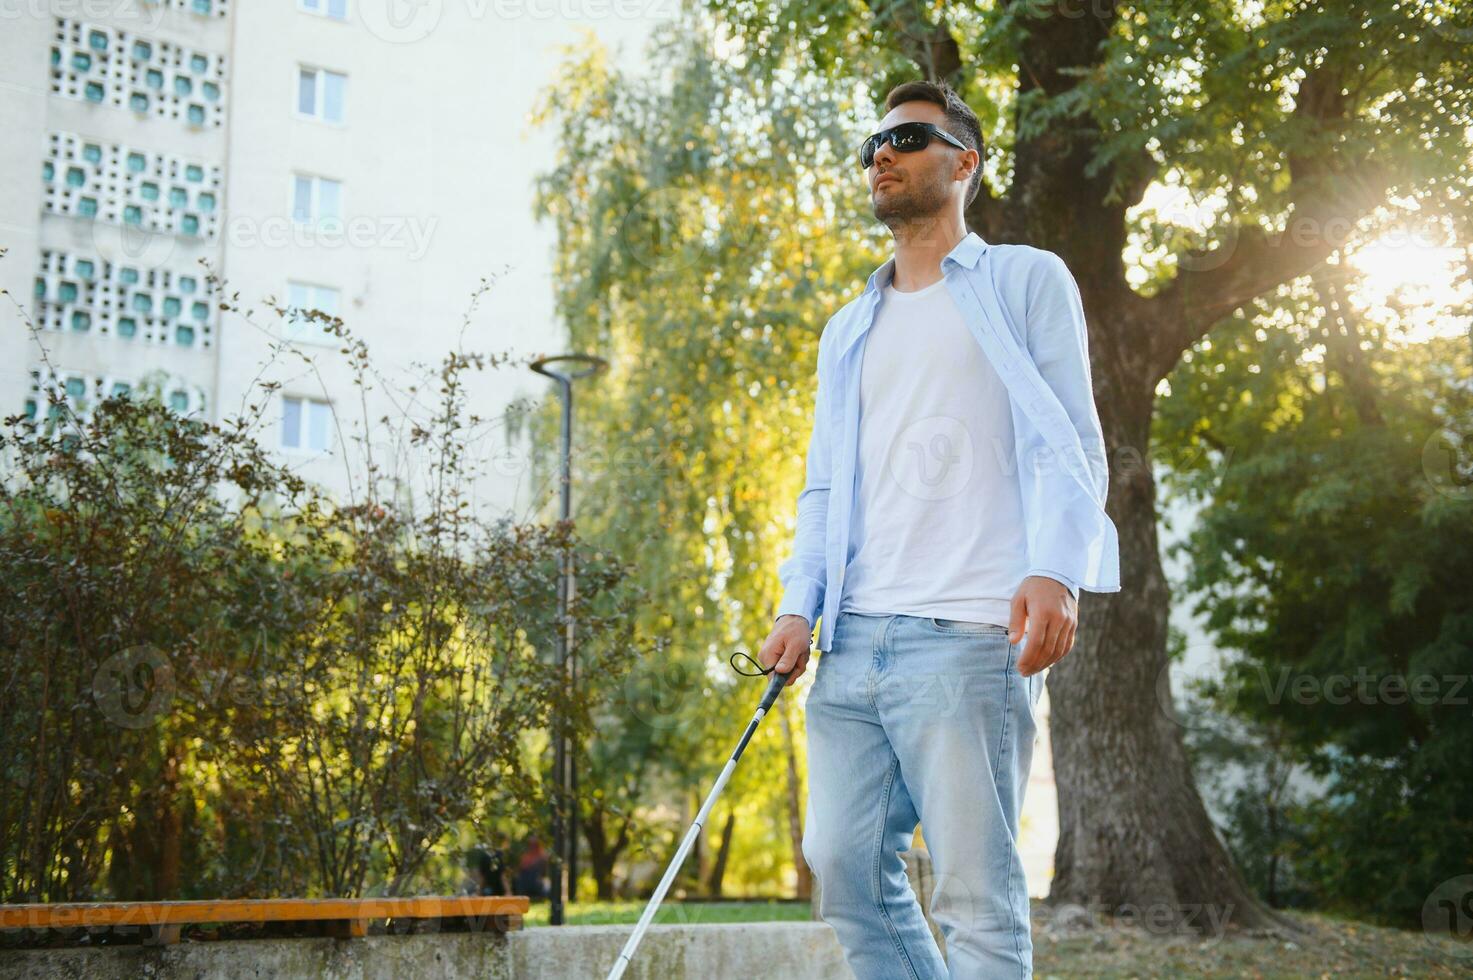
x=914 y=719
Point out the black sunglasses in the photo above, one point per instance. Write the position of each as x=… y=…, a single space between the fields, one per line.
x=907 y=137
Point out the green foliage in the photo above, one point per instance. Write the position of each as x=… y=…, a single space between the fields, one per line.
x=1330 y=555
x=218 y=680
x=696 y=214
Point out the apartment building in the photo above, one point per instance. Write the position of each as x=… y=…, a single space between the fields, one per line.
x=365 y=158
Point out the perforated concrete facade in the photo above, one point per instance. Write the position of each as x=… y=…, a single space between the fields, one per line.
x=144 y=74
x=124 y=184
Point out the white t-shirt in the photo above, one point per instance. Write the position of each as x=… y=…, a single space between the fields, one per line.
x=938 y=524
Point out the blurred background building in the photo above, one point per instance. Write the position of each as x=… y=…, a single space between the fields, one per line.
x=367 y=158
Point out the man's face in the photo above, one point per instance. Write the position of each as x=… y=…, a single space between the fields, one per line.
x=920 y=184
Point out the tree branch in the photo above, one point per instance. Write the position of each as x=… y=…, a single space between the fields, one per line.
x=1328 y=196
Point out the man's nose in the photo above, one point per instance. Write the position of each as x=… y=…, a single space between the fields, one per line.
x=885 y=153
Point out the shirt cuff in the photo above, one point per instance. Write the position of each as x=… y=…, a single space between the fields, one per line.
x=1060 y=577
x=802 y=597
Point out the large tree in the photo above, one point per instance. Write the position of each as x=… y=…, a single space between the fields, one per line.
x=1273 y=136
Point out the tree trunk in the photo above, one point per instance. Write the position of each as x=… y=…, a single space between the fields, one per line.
x=718 y=869
x=1132 y=827
x=795 y=809
x=145 y=851
x=602 y=852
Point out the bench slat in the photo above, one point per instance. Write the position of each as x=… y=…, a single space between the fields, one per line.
x=72 y=915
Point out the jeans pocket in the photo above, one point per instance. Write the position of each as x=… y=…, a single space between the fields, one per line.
x=964 y=626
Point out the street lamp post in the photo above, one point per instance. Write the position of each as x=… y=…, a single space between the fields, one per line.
x=565 y=773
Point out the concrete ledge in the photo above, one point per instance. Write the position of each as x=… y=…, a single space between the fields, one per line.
x=771 y=950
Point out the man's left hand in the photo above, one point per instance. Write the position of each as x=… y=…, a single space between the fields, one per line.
x=1051 y=616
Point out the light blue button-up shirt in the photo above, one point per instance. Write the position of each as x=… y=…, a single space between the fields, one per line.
x=1022 y=306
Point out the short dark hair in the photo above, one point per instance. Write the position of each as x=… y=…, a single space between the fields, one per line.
x=961 y=120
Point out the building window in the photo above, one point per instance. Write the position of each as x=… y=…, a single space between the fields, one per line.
x=306 y=424
x=316 y=200
x=302 y=298
x=334 y=9
x=320 y=94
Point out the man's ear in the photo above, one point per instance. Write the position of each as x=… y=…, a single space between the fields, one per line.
x=966 y=177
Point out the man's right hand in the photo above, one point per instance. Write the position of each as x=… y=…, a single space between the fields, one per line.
x=787 y=647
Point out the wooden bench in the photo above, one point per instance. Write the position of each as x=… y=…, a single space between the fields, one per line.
x=342 y=917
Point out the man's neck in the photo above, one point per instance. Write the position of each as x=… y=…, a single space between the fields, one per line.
x=920 y=245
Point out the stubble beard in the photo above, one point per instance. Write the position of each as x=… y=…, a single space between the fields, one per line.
x=917 y=203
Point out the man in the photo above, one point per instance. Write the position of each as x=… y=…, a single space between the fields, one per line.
x=953 y=508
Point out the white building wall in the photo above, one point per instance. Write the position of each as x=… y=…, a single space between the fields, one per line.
x=435 y=159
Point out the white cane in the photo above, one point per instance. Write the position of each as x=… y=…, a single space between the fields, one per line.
x=774 y=688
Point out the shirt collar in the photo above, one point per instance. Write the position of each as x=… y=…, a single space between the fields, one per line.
x=966 y=253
